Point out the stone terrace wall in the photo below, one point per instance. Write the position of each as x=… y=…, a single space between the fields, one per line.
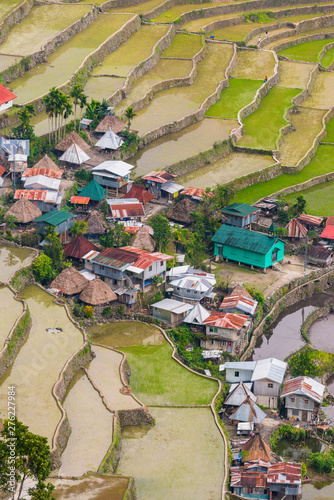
x=314 y=316
x=14 y=17
x=167 y=5
x=255 y=177
x=40 y=56
x=323 y=52
x=302 y=39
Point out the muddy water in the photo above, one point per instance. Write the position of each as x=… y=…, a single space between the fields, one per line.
x=7 y=61
x=92 y=487
x=166 y=69
x=298 y=450
x=182 y=145
x=102 y=87
x=225 y=169
x=172 y=104
x=104 y=371
x=65 y=60
x=318 y=491
x=254 y=64
x=39 y=362
x=284 y=336
x=12 y=259
x=91 y=425
x=41 y=25
x=180 y=457
x=13 y=310
x=294 y=75
x=322 y=333
x=125 y=333
x=322 y=93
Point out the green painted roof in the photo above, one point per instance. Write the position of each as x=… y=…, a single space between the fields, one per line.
x=55 y=217
x=272 y=228
x=94 y=191
x=244 y=239
x=239 y=209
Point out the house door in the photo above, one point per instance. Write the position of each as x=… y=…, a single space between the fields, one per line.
x=274 y=256
x=304 y=415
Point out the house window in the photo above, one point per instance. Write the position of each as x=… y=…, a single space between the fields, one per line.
x=270 y=386
x=306 y=401
x=295 y=413
x=212 y=342
x=211 y=329
x=215 y=330
x=161 y=263
x=150 y=268
x=236 y=374
x=293 y=400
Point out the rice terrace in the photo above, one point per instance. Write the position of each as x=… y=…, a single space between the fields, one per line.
x=238 y=93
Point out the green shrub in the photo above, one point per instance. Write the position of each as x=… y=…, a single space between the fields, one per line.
x=78 y=311
x=107 y=311
x=322 y=462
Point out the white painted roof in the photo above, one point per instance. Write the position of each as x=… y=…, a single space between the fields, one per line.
x=172 y=305
x=91 y=255
x=75 y=155
x=197 y=315
x=88 y=274
x=42 y=181
x=109 y=141
x=270 y=369
x=118 y=168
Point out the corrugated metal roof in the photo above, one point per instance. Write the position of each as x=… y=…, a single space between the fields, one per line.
x=241 y=302
x=140 y=193
x=79 y=247
x=329 y=221
x=2 y=170
x=172 y=305
x=246 y=240
x=226 y=320
x=121 y=208
x=109 y=141
x=240 y=365
x=80 y=200
x=196 y=193
x=304 y=386
x=270 y=369
x=43 y=181
x=75 y=155
x=319 y=252
x=47 y=172
x=257 y=448
x=30 y=194
x=6 y=95
x=239 y=209
x=117 y=168
x=161 y=177
x=284 y=473
x=197 y=315
x=328 y=233
x=296 y=229
x=171 y=187
x=116 y=257
x=94 y=191
x=248 y=411
x=194 y=283
x=55 y=217
x=146 y=259
x=238 y=395
x=310 y=220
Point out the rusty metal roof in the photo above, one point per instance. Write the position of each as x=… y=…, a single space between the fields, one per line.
x=2 y=170
x=257 y=448
x=146 y=259
x=116 y=257
x=139 y=192
x=319 y=252
x=284 y=473
x=304 y=386
x=310 y=220
x=226 y=320
x=30 y=194
x=79 y=247
x=196 y=192
x=80 y=200
x=47 y=172
x=241 y=477
x=121 y=210
x=160 y=177
x=296 y=229
x=240 y=301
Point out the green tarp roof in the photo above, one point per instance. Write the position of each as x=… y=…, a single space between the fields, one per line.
x=94 y=191
x=239 y=209
x=244 y=239
x=55 y=217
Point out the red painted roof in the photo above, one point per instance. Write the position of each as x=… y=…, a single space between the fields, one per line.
x=328 y=233
x=161 y=177
x=6 y=95
x=330 y=221
x=30 y=194
x=80 y=200
x=233 y=301
x=2 y=170
x=226 y=320
x=52 y=173
x=140 y=193
x=78 y=247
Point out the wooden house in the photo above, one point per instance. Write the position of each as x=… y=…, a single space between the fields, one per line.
x=240 y=214
x=320 y=256
x=225 y=331
x=113 y=174
x=267 y=378
x=302 y=398
x=59 y=220
x=247 y=247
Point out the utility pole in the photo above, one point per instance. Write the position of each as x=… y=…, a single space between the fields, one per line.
x=14 y=171
x=306 y=253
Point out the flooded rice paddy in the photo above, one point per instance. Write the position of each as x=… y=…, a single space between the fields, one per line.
x=7 y=61
x=183 y=45
x=39 y=26
x=102 y=87
x=65 y=60
x=181 y=456
x=322 y=334
x=13 y=310
x=321 y=490
x=254 y=65
x=92 y=487
x=181 y=145
x=298 y=450
x=172 y=104
x=294 y=75
x=125 y=333
x=226 y=169
x=12 y=259
x=92 y=428
x=39 y=362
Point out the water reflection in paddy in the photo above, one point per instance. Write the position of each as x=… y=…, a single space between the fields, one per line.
x=322 y=333
x=12 y=259
x=13 y=309
x=39 y=362
x=321 y=490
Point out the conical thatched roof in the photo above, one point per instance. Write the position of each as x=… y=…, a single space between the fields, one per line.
x=24 y=211
x=95 y=223
x=96 y=293
x=143 y=240
x=46 y=162
x=78 y=247
x=181 y=212
x=110 y=121
x=68 y=141
x=74 y=154
x=70 y=281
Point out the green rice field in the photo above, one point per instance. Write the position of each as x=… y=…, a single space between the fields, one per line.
x=307 y=52
x=321 y=164
x=183 y=45
x=40 y=26
x=262 y=127
x=319 y=199
x=233 y=98
x=158 y=379
x=330 y=131
x=328 y=58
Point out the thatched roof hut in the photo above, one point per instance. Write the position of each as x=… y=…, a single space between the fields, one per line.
x=24 y=211
x=96 y=293
x=78 y=247
x=181 y=212
x=46 y=162
x=65 y=143
x=70 y=281
x=110 y=121
x=143 y=240
x=95 y=223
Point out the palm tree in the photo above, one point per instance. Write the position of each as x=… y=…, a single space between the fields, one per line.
x=76 y=93
x=49 y=109
x=130 y=114
x=68 y=111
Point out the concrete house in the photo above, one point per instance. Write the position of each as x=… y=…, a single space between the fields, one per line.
x=302 y=398
x=147 y=266
x=247 y=247
x=225 y=331
x=239 y=371
x=192 y=288
x=238 y=304
x=267 y=377
x=59 y=220
x=6 y=98
x=240 y=214
x=171 y=311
